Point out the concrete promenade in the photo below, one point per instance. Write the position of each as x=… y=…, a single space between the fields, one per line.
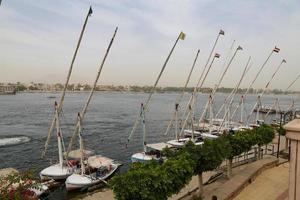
x=272 y=184
x=242 y=176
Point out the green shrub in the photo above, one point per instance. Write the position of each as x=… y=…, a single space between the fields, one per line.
x=151 y=181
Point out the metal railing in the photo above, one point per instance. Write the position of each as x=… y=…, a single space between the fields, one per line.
x=251 y=156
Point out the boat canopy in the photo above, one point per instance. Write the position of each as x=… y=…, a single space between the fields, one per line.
x=76 y=154
x=159 y=146
x=98 y=161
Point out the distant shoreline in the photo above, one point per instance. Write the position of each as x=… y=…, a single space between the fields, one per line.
x=77 y=88
x=159 y=92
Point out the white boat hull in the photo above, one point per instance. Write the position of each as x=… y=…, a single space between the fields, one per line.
x=78 y=181
x=204 y=135
x=142 y=157
x=182 y=141
x=56 y=172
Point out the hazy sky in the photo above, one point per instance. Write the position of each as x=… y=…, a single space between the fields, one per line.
x=38 y=38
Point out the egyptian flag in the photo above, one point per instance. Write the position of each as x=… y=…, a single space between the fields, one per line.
x=276 y=49
x=222 y=32
x=217 y=55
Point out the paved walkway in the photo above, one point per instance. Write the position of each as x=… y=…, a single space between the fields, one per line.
x=225 y=188
x=192 y=186
x=270 y=185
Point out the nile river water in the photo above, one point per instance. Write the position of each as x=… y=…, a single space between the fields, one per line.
x=25 y=119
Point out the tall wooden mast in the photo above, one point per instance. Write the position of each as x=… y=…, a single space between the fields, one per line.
x=83 y=112
x=140 y=118
x=60 y=104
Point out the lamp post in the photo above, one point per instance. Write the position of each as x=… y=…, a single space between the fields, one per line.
x=278 y=144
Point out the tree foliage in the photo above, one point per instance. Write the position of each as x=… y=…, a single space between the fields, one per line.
x=210 y=155
x=239 y=142
x=151 y=180
x=264 y=134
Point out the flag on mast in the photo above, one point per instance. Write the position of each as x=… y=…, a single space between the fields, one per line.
x=217 y=55
x=284 y=60
x=240 y=48
x=182 y=35
x=276 y=49
x=90 y=11
x=221 y=32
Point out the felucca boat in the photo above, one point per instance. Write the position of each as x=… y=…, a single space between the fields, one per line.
x=180 y=141
x=209 y=104
x=63 y=168
x=146 y=155
x=258 y=103
x=224 y=123
x=243 y=125
x=93 y=169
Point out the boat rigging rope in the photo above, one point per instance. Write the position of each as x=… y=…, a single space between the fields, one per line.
x=228 y=54
x=227 y=111
x=191 y=103
x=178 y=101
x=266 y=87
x=197 y=88
x=235 y=90
x=239 y=48
x=275 y=49
x=60 y=105
x=83 y=112
x=137 y=121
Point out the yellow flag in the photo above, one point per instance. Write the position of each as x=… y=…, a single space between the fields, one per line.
x=182 y=36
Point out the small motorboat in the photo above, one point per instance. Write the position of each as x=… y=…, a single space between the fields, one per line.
x=98 y=169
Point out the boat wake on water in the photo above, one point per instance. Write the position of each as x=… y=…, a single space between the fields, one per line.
x=15 y=140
